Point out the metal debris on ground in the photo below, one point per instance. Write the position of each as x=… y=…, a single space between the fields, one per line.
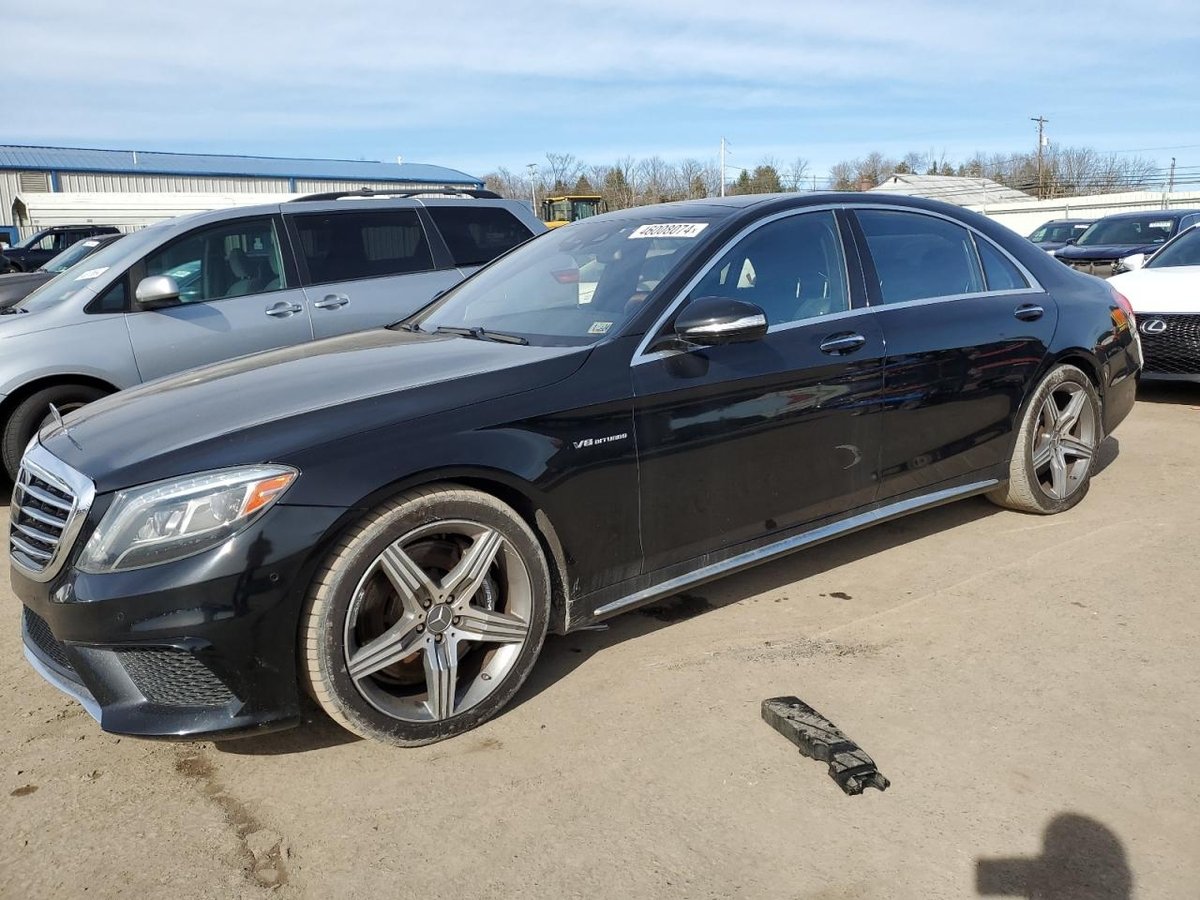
x=819 y=739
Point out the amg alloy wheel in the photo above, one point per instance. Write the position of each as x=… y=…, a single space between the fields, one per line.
x=1055 y=450
x=427 y=617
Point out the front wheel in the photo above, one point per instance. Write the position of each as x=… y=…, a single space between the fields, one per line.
x=427 y=617
x=1055 y=449
x=33 y=413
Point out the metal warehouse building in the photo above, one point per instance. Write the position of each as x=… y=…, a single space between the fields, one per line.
x=26 y=171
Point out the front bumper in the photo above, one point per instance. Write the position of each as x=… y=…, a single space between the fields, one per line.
x=204 y=646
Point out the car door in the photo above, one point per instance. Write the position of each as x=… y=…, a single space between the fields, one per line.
x=364 y=268
x=740 y=443
x=238 y=295
x=967 y=329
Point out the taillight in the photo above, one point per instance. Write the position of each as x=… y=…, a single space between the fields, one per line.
x=1126 y=307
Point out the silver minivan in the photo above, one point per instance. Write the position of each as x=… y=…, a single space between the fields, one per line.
x=215 y=285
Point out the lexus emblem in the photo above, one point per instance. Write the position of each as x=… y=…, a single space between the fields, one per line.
x=1154 y=326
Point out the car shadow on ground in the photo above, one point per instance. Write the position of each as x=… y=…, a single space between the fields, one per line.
x=1182 y=393
x=563 y=654
x=1080 y=858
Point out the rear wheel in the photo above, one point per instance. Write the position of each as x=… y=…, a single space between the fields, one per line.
x=427 y=617
x=34 y=412
x=1055 y=450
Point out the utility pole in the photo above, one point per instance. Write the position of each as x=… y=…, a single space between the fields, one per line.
x=1171 y=179
x=532 y=167
x=1042 y=122
x=722 y=167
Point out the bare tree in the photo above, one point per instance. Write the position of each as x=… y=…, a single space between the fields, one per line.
x=793 y=174
x=563 y=171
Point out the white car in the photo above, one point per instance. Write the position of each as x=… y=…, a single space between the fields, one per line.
x=1165 y=294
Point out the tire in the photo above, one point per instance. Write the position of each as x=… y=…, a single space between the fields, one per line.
x=1055 y=451
x=440 y=599
x=32 y=412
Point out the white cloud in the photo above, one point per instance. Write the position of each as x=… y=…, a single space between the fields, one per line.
x=304 y=74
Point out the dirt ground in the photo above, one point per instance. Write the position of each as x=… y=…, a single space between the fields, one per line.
x=1029 y=685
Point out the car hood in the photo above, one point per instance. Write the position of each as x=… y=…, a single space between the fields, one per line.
x=1173 y=289
x=17 y=285
x=264 y=407
x=1104 y=251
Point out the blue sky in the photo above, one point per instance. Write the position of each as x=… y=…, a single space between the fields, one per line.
x=477 y=85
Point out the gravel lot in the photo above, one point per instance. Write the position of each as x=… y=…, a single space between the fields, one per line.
x=1029 y=686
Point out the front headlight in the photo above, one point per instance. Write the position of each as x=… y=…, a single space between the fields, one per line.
x=1130 y=262
x=169 y=520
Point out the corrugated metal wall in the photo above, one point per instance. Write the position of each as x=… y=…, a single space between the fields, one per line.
x=314 y=186
x=123 y=183
x=9 y=184
x=130 y=184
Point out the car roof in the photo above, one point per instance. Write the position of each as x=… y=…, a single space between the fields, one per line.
x=301 y=205
x=1156 y=213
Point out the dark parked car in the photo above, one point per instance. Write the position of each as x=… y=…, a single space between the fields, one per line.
x=44 y=245
x=16 y=286
x=1057 y=233
x=392 y=520
x=1122 y=242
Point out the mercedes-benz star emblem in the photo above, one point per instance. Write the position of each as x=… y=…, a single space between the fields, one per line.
x=439 y=618
x=1154 y=326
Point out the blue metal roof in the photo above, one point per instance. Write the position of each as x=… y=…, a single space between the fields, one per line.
x=133 y=162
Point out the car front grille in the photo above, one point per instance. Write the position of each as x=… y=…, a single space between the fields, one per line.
x=49 y=502
x=173 y=678
x=1101 y=267
x=43 y=638
x=1173 y=350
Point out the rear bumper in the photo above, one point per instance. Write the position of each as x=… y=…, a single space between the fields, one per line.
x=201 y=647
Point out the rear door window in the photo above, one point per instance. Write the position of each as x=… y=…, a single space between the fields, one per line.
x=345 y=246
x=998 y=270
x=919 y=257
x=477 y=235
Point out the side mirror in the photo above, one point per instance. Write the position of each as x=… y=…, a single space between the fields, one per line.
x=720 y=320
x=1070 y=241
x=157 y=292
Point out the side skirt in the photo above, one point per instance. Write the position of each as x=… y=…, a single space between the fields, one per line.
x=595 y=608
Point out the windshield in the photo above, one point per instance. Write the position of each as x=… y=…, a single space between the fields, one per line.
x=29 y=241
x=573 y=285
x=1183 y=251
x=1058 y=233
x=72 y=255
x=77 y=278
x=1142 y=230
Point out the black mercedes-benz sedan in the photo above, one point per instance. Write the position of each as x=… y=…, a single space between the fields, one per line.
x=614 y=412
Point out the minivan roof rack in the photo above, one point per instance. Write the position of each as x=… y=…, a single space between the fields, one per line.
x=400 y=192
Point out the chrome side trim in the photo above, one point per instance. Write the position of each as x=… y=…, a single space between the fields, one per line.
x=1035 y=286
x=796 y=542
x=76 y=692
x=640 y=355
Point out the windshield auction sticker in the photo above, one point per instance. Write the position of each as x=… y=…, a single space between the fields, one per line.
x=92 y=273
x=669 y=230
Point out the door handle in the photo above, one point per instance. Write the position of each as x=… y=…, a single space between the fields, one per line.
x=842 y=343
x=332 y=301
x=282 y=310
x=1029 y=312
